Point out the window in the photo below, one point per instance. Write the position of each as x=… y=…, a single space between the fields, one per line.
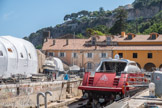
x=62 y=54
x=51 y=54
x=89 y=55
x=121 y=55
x=103 y=55
x=134 y=55
x=1 y=53
x=149 y=55
x=130 y=37
x=89 y=65
x=74 y=55
x=108 y=40
x=134 y=64
x=153 y=36
x=93 y=40
x=21 y=55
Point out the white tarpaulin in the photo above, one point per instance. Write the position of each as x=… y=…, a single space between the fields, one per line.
x=18 y=56
x=55 y=62
x=74 y=68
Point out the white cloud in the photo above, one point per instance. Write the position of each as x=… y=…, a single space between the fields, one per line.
x=6 y=16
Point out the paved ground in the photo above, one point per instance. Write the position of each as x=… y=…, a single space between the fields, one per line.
x=137 y=101
x=63 y=103
x=142 y=98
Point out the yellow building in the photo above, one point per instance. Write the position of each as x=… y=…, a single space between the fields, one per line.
x=146 y=50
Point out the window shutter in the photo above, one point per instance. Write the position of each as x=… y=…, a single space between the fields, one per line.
x=72 y=55
x=59 y=54
x=64 y=54
x=100 y=55
x=92 y=55
x=106 y=55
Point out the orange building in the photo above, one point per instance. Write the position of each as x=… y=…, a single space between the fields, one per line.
x=146 y=50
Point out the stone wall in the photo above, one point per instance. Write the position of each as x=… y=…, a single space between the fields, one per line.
x=24 y=95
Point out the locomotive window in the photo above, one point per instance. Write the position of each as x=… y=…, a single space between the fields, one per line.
x=134 y=64
x=1 y=53
x=21 y=55
x=117 y=67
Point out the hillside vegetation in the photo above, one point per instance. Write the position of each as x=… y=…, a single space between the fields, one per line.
x=140 y=17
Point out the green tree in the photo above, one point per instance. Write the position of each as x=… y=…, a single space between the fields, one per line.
x=73 y=16
x=83 y=13
x=91 y=32
x=101 y=11
x=66 y=17
x=39 y=47
x=26 y=38
x=102 y=28
x=80 y=36
x=120 y=24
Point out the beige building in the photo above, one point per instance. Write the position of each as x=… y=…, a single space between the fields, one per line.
x=82 y=52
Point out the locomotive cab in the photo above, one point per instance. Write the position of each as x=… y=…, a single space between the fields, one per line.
x=112 y=67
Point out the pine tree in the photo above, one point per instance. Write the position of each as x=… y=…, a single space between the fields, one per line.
x=120 y=24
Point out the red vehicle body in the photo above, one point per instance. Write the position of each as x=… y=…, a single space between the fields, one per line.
x=112 y=82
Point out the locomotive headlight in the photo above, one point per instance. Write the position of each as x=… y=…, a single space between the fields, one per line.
x=101 y=100
x=85 y=96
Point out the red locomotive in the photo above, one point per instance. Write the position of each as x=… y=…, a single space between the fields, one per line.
x=110 y=80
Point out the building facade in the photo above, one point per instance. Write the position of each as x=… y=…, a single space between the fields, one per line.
x=146 y=50
x=82 y=52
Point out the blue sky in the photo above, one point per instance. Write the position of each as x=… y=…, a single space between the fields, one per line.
x=19 y=18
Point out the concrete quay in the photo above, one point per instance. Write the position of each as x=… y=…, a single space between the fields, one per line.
x=25 y=95
x=139 y=100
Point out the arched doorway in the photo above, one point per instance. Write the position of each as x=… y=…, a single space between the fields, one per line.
x=139 y=65
x=149 y=67
x=160 y=67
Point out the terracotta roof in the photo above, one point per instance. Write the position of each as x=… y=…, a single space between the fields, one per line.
x=73 y=44
x=79 y=44
x=137 y=38
x=137 y=48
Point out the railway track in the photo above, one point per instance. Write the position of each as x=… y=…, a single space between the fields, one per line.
x=78 y=104
x=82 y=103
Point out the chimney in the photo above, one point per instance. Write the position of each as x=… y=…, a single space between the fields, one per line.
x=54 y=42
x=49 y=34
x=67 y=41
x=95 y=47
x=122 y=34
